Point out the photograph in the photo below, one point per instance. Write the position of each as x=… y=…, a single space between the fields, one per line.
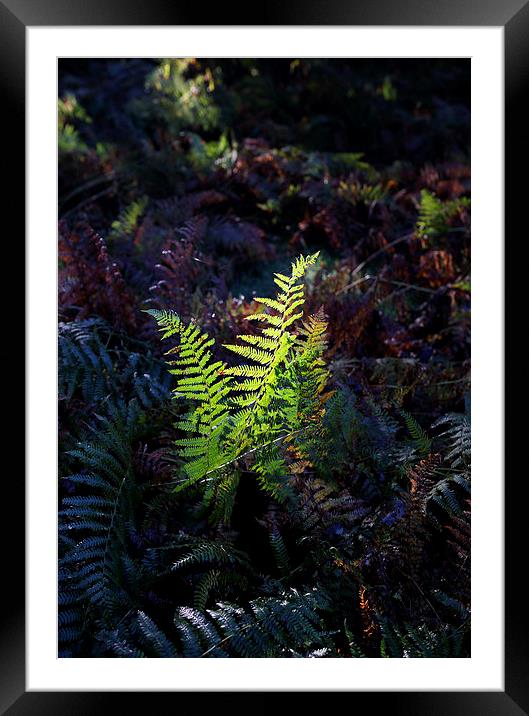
x=263 y=344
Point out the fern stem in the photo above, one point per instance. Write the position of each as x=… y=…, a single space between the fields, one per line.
x=255 y=449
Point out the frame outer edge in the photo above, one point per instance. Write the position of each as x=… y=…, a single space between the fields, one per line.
x=12 y=80
x=516 y=164
x=273 y=12
x=12 y=617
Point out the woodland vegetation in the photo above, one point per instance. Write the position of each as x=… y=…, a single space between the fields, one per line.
x=264 y=358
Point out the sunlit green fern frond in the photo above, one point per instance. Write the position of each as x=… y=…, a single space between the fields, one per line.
x=245 y=410
x=203 y=382
x=269 y=349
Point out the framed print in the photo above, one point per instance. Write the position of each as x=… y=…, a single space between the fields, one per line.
x=248 y=427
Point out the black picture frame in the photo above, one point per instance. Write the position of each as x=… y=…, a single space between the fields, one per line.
x=15 y=17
